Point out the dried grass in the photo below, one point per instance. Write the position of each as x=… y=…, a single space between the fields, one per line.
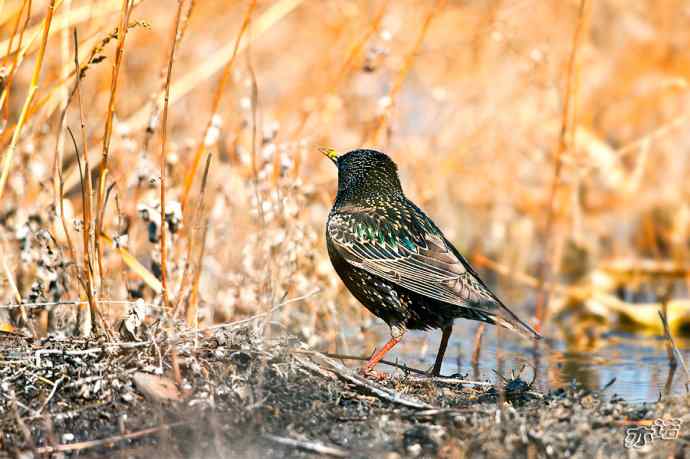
x=469 y=98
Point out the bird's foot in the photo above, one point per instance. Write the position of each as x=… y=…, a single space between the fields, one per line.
x=373 y=374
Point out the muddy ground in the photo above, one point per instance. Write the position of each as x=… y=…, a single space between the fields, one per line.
x=232 y=392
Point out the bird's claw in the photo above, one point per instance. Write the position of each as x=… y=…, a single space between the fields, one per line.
x=371 y=373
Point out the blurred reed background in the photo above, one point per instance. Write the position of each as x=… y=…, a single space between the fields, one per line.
x=549 y=139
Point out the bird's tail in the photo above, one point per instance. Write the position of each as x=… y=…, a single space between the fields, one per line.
x=508 y=319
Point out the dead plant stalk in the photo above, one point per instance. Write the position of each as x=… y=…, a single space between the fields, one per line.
x=164 y=154
x=107 y=131
x=568 y=123
x=217 y=97
x=187 y=82
x=33 y=87
x=13 y=287
x=59 y=182
x=87 y=320
x=382 y=124
x=193 y=305
x=17 y=57
x=674 y=355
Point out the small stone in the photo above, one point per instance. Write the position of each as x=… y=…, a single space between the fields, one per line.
x=414 y=450
x=156 y=387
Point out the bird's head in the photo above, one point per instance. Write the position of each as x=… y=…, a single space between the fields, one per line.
x=363 y=174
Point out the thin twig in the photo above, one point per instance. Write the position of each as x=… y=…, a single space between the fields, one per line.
x=87 y=320
x=51 y=395
x=425 y=375
x=676 y=352
x=345 y=373
x=314 y=447
x=82 y=445
x=33 y=87
x=17 y=295
x=477 y=345
x=192 y=315
x=164 y=156
x=217 y=98
x=267 y=285
x=193 y=304
x=107 y=130
x=256 y=316
x=382 y=124
x=546 y=269
x=216 y=61
x=366 y=359
x=456 y=381
x=17 y=58
x=26 y=433
x=42 y=304
x=58 y=179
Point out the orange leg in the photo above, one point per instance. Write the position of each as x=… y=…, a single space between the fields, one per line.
x=442 y=350
x=376 y=358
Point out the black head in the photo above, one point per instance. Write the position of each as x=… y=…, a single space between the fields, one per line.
x=363 y=174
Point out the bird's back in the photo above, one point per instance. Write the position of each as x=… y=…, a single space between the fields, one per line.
x=389 y=250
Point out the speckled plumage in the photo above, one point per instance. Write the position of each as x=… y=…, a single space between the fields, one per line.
x=395 y=260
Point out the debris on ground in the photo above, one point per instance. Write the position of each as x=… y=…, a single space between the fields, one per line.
x=240 y=394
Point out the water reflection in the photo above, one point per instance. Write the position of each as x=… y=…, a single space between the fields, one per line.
x=638 y=364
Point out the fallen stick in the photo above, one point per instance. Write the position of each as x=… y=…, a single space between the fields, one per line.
x=377 y=390
x=314 y=447
x=424 y=376
x=364 y=359
x=51 y=395
x=444 y=380
x=78 y=446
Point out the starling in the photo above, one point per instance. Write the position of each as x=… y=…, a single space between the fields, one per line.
x=396 y=261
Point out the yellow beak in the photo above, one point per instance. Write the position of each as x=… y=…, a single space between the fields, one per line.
x=330 y=153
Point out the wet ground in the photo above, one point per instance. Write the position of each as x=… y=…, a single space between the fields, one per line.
x=639 y=364
x=234 y=393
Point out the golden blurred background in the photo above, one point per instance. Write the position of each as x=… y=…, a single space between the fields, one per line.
x=549 y=139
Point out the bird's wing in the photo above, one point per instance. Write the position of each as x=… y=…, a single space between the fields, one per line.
x=406 y=248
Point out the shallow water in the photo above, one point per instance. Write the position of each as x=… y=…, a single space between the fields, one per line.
x=638 y=364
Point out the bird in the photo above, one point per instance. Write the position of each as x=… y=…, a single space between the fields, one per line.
x=394 y=259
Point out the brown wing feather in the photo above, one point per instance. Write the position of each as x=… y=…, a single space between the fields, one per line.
x=401 y=250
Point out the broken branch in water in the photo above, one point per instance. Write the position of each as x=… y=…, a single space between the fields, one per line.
x=676 y=353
